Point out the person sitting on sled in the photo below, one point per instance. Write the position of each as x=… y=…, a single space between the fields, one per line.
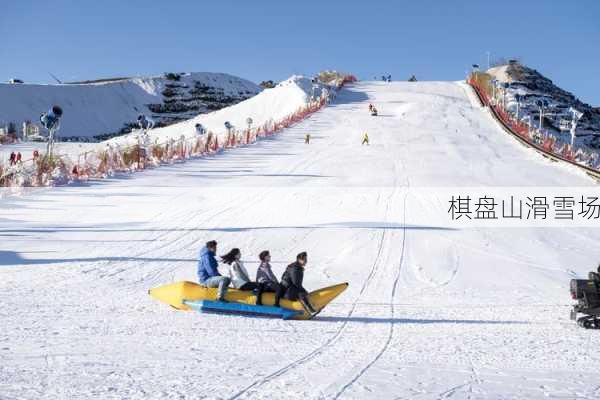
x=292 y=282
x=208 y=273
x=266 y=278
x=239 y=275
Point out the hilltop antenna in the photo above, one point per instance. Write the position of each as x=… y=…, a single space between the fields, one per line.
x=55 y=78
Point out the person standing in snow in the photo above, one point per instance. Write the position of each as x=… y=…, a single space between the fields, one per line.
x=239 y=275
x=292 y=282
x=266 y=278
x=208 y=273
x=365 y=139
x=19 y=158
x=307 y=138
x=12 y=159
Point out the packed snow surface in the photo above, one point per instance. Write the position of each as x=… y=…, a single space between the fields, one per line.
x=431 y=312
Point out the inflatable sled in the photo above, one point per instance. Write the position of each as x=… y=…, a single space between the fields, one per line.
x=192 y=296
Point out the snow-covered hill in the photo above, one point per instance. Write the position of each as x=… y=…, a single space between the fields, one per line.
x=532 y=86
x=433 y=311
x=106 y=107
x=268 y=105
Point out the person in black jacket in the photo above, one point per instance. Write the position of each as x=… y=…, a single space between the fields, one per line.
x=292 y=282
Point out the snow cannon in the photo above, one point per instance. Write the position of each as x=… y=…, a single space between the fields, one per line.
x=188 y=296
x=145 y=122
x=50 y=120
x=587 y=294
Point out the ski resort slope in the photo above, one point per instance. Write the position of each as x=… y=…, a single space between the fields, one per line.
x=431 y=312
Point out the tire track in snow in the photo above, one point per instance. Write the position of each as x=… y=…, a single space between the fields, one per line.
x=392 y=314
x=320 y=349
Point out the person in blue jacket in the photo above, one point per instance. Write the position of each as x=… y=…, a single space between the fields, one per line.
x=208 y=273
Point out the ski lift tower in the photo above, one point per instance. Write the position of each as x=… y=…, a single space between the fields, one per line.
x=518 y=99
x=576 y=117
x=542 y=104
x=494 y=83
x=51 y=121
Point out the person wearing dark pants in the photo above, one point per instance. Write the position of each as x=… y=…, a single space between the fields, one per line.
x=292 y=282
x=266 y=279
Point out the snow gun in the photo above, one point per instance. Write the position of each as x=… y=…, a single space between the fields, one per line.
x=50 y=120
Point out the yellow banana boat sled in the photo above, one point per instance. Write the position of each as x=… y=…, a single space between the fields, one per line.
x=187 y=296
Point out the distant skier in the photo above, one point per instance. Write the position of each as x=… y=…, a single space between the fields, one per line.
x=389 y=78
x=200 y=129
x=292 y=282
x=208 y=273
x=365 y=139
x=370 y=107
x=307 y=138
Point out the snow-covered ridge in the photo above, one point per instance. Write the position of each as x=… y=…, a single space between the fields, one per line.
x=105 y=107
x=532 y=86
x=269 y=105
x=269 y=112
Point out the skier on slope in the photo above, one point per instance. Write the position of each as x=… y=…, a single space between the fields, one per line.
x=365 y=139
x=307 y=138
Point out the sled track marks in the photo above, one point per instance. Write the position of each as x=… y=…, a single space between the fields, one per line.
x=390 y=335
x=319 y=350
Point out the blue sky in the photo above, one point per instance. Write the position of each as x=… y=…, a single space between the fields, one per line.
x=435 y=40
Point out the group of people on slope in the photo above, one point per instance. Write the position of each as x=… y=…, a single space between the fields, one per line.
x=290 y=287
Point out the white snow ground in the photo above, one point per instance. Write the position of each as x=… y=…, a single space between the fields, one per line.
x=430 y=313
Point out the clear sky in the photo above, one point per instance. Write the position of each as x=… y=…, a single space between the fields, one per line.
x=258 y=40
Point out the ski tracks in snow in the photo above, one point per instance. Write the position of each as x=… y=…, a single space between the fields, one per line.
x=249 y=390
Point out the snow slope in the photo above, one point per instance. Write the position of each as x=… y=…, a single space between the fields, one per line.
x=431 y=312
x=99 y=108
x=269 y=105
